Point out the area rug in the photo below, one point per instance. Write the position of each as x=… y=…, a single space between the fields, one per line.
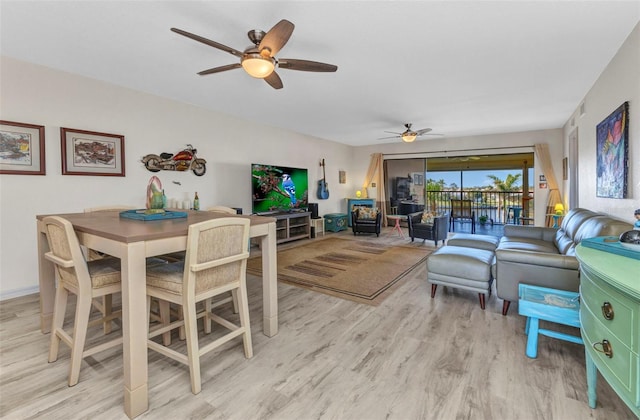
x=358 y=270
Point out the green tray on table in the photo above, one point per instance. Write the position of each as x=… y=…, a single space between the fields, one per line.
x=140 y=215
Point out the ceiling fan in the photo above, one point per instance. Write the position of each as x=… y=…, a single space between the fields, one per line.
x=259 y=60
x=409 y=135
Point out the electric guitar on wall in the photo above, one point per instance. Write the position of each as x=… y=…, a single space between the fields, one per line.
x=323 y=187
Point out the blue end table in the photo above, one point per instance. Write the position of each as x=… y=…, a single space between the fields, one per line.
x=542 y=303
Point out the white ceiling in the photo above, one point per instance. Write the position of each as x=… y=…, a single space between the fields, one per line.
x=461 y=68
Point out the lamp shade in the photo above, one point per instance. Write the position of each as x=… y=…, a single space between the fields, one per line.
x=358 y=194
x=257 y=66
x=559 y=208
x=408 y=137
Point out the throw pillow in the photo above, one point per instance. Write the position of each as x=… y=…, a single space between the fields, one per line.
x=367 y=213
x=427 y=218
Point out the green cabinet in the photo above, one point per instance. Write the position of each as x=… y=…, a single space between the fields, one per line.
x=610 y=322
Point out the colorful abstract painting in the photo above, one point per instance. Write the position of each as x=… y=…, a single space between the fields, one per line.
x=612 y=137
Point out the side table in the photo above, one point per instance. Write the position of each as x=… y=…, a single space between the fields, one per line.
x=397 y=218
x=318 y=226
x=542 y=303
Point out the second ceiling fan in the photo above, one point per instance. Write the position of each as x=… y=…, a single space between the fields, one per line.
x=410 y=135
x=260 y=59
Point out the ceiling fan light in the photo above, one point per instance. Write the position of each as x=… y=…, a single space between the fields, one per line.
x=408 y=137
x=257 y=66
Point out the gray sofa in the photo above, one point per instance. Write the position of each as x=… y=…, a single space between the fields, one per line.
x=544 y=256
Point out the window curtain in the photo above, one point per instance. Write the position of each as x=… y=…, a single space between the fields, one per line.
x=375 y=174
x=544 y=157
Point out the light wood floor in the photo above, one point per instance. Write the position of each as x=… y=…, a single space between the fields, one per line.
x=412 y=357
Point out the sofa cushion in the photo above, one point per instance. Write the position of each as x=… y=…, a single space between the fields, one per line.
x=533 y=245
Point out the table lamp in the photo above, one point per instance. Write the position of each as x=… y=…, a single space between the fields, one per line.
x=559 y=208
x=358 y=194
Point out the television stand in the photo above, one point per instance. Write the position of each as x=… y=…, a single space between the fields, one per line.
x=292 y=226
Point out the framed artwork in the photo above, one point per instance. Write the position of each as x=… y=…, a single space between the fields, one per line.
x=21 y=148
x=418 y=178
x=543 y=178
x=342 y=177
x=565 y=169
x=542 y=185
x=612 y=149
x=91 y=153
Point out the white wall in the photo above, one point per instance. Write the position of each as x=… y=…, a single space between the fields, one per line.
x=150 y=124
x=618 y=83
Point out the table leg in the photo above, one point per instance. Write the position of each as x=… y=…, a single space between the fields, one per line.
x=134 y=329
x=398 y=227
x=269 y=282
x=46 y=280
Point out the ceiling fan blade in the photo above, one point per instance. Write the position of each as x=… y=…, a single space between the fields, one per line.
x=305 y=65
x=432 y=134
x=208 y=42
x=393 y=132
x=423 y=131
x=277 y=37
x=220 y=69
x=274 y=80
x=392 y=137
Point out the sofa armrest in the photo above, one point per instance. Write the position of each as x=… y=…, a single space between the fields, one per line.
x=538 y=258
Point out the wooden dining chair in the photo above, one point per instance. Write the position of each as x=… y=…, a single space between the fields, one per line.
x=87 y=280
x=222 y=209
x=215 y=263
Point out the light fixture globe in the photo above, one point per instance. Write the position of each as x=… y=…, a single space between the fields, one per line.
x=257 y=65
x=409 y=137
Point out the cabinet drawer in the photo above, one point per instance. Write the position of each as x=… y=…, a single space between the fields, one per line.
x=621 y=370
x=625 y=322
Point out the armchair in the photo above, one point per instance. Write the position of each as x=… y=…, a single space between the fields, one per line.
x=366 y=220
x=436 y=231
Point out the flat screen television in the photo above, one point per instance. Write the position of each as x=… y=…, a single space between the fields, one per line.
x=278 y=189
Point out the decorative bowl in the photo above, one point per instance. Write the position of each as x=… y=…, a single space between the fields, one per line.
x=631 y=240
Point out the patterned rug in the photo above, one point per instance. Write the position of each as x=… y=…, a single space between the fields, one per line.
x=359 y=270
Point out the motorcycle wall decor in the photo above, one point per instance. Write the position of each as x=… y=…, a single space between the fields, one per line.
x=184 y=160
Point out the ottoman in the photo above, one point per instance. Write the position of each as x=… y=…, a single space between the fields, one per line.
x=487 y=242
x=462 y=268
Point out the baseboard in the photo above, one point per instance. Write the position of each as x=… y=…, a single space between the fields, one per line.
x=10 y=294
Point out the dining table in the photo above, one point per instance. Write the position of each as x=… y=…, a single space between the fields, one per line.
x=133 y=241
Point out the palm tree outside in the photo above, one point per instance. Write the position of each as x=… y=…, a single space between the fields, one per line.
x=510 y=183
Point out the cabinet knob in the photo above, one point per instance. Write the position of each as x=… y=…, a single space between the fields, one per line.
x=605 y=347
x=607 y=311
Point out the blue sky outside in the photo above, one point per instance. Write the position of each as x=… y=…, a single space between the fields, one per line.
x=471 y=179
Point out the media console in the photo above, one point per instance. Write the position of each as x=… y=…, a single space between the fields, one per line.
x=291 y=226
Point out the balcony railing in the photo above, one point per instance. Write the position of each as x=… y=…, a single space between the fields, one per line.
x=498 y=206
